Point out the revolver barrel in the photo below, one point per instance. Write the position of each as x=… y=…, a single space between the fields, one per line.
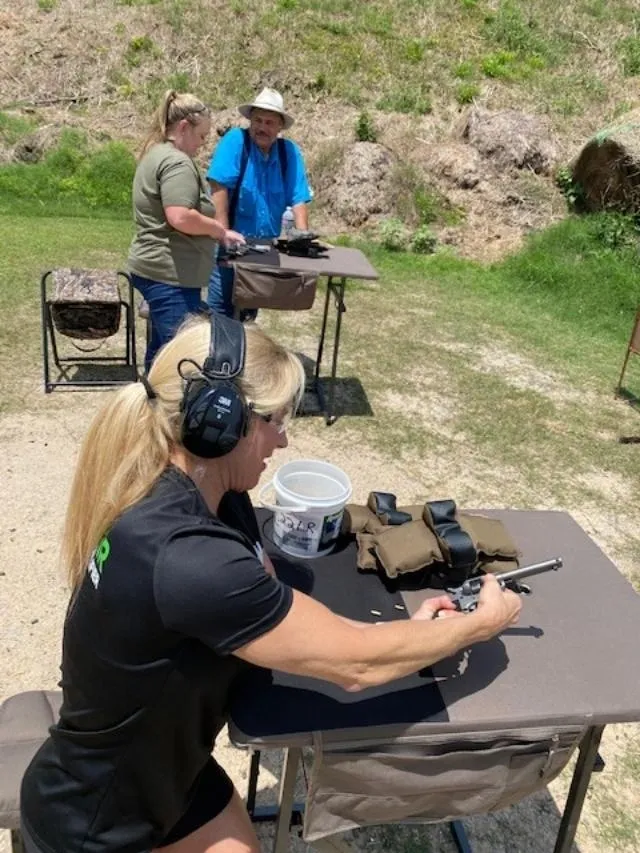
x=529 y=571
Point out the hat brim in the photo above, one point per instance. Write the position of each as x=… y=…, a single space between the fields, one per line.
x=245 y=111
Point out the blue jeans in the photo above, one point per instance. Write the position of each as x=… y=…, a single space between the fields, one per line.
x=168 y=307
x=221 y=288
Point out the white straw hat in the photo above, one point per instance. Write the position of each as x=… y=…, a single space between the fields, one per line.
x=271 y=100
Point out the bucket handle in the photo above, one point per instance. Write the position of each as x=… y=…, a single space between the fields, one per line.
x=276 y=507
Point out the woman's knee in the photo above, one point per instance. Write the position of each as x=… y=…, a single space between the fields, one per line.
x=229 y=832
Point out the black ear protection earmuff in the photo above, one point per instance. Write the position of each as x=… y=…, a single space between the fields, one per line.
x=215 y=415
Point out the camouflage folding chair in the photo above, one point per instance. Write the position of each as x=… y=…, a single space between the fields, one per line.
x=87 y=305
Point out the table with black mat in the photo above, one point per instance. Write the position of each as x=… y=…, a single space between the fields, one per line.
x=336 y=264
x=571 y=664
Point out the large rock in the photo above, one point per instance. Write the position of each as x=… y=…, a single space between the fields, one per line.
x=360 y=188
x=511 y=139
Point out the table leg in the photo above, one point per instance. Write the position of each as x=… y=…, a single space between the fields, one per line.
x=578 y=791
x=327 y=402
x=252 y=786
x=292 y=758
x=456 y=827
x=338 y=292
x=323 y=331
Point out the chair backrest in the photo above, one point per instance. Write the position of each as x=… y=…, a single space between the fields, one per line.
x=25 y=720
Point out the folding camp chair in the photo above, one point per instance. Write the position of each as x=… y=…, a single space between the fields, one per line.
x=24 y=725
x=632 y=348
x=86 y=305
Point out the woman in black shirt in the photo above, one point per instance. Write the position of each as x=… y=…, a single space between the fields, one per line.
x=172 y=596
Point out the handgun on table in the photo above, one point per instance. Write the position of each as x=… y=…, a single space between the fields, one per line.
x=466 y=596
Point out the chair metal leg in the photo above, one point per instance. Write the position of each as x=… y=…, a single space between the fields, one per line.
x=44 y=308
x=292 y=758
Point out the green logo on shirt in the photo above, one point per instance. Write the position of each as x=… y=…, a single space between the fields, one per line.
x=98 y=559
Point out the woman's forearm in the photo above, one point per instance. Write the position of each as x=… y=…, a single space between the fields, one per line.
x=192 y=222
x=315 y=642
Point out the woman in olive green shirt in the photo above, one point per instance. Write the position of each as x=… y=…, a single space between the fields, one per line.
x=170 y=259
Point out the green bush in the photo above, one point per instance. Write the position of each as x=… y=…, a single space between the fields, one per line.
x=464 y=71
x=393 y=235
x=423 y=241
x=629 y=50
x=14 y=127
x=73 y=179
x=138 y=47
x=365 y=128
x=467 y=92
x=570 y=189
x=499 y=65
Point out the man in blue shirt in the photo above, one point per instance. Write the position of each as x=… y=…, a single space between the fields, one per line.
x=254 y=176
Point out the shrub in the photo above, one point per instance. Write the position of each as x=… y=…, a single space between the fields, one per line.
x=423 y=241
x=137 y=48
x=499 y=65
x=570 y=189
x=629 y=49
x=73 y=179
x=467 y=92
x=464 y=71
x=365 y=128
x=393 y=235
x=14 y=127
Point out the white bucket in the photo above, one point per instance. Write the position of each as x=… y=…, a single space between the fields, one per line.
x=310 y=500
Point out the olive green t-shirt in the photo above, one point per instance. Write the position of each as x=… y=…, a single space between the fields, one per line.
x=166 y=176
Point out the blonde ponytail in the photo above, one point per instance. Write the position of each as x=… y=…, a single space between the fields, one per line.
x=130 y=440
x=124 y=452
x=174 y=107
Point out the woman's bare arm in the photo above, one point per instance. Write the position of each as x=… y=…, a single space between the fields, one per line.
x=313 y=641
x=192 y=222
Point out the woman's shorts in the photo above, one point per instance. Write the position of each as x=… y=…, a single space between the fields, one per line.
x=212 y=795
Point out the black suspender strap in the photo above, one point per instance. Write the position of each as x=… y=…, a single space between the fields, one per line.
x=244 y=159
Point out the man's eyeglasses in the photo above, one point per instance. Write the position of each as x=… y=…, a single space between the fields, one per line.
x=279 y=426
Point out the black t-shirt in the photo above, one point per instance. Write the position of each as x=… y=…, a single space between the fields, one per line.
x=170 y=593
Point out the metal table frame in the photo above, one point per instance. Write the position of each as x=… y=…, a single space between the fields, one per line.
x=339 y=264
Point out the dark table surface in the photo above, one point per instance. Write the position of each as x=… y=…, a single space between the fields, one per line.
x=573 y=658
x=339 y=262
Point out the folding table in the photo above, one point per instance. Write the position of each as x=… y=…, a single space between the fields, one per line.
x=572 y=660
x=337 y=265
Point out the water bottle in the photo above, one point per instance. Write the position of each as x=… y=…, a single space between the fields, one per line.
x=287 y=221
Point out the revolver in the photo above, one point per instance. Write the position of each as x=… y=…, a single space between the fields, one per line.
x=466 y=597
